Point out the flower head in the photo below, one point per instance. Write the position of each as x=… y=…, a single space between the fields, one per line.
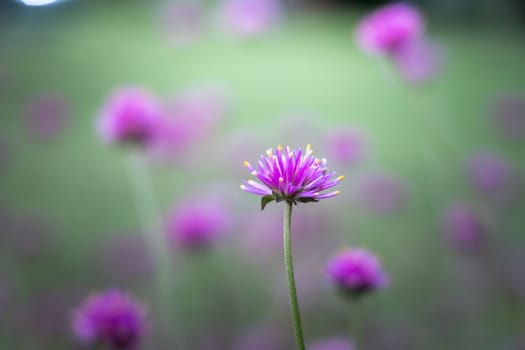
x=346 y=146
x=356 y=272
x=250 y=17
x=111 y=318
x=130 y=116
x=292 y=176
x=418 y=62
x=464 y=228
x=197 y=225
x=335 y=343
x=389 y=28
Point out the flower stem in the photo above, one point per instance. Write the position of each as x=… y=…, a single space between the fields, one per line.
x=291 y=278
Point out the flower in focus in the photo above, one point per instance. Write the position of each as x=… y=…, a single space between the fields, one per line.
x=492 y=175
x=382 y=193
x=292 y=176
x=335 y=343
x=183 y=21
x=390 y=28
x=130 y=115
x=418 y=61
x=464 y=228
x=250 y=17
x=346 y=146
x=46 y=116
x=509 y=115
x=111 y=318
x=356 y=272
x=197 y=225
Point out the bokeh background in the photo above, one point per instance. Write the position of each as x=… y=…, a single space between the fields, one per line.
x=427 y=163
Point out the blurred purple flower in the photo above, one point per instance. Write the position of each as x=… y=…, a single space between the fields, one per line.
x=418 y=61
x=198 y=224
x=509 y=115
x=382 y=193
x=190 y=116
x=111 y=318
x=126 y=257
x=464 y=228
x=335 y=343
x=46 y=116
x=356 y=272
x=389 y=28
x=183 y=21
x=263 y=337
x=247 y=18
x=130 y=115
x=346 y=146
x=289 y=175
x=493 y=176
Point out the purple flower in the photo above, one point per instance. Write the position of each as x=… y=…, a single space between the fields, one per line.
x=292 y=176
x=418 y=61
x=390 y=28
x=382 y=193
x=183 y=21
x=197 y=225
x=492 y=175
x=464 y=228
x=346 y=146
x=130 y=115
x=250 y=17
x=335 y=343
x=356 y=272
x=112 y=318
x=509 y=115
x=46 y=116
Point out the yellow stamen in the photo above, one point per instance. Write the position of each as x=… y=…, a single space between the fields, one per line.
x=308 y=148
x=280 y=147
x=337 y=192
x=281 y=179
x=269 y=152
x=243 y=187
x=246 y=164
x=342 y=177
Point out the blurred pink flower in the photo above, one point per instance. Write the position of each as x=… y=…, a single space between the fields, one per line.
x=382 y=193
x=464 y=228
x=250 y=17
x=130 y=115
x=183 y=21
x=345 y=146
x=46 y=116
x=197 y=224
x=389 y=28
x=509 y=115
x=418 y=61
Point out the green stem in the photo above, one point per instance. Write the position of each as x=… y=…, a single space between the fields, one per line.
x=146 y=203
x=291 y=278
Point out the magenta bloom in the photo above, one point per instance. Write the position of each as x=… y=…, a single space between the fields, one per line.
x=492 y=175
x=509 y=115
x=111 y=318
x=418 y=61
x=333 y=344
x=464 y=228
x=130 y=115
x=356 y=272
x=389 y=28
x=292 y=176
x=47 y=116
x=346 y=146
x=250 y=17
x=198 y=224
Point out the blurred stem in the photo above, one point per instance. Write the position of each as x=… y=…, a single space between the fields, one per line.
x=355 y=323
x=146 y=203
x=291 y=278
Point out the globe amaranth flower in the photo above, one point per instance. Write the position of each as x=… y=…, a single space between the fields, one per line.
x=111 y=318
x=346 y=146
x=356 y=272
x=390 y=28
x=130 y=115
x=250 y=17
x=464 y=228
x=292 y=176
x=335 y=343
x=197 y=225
